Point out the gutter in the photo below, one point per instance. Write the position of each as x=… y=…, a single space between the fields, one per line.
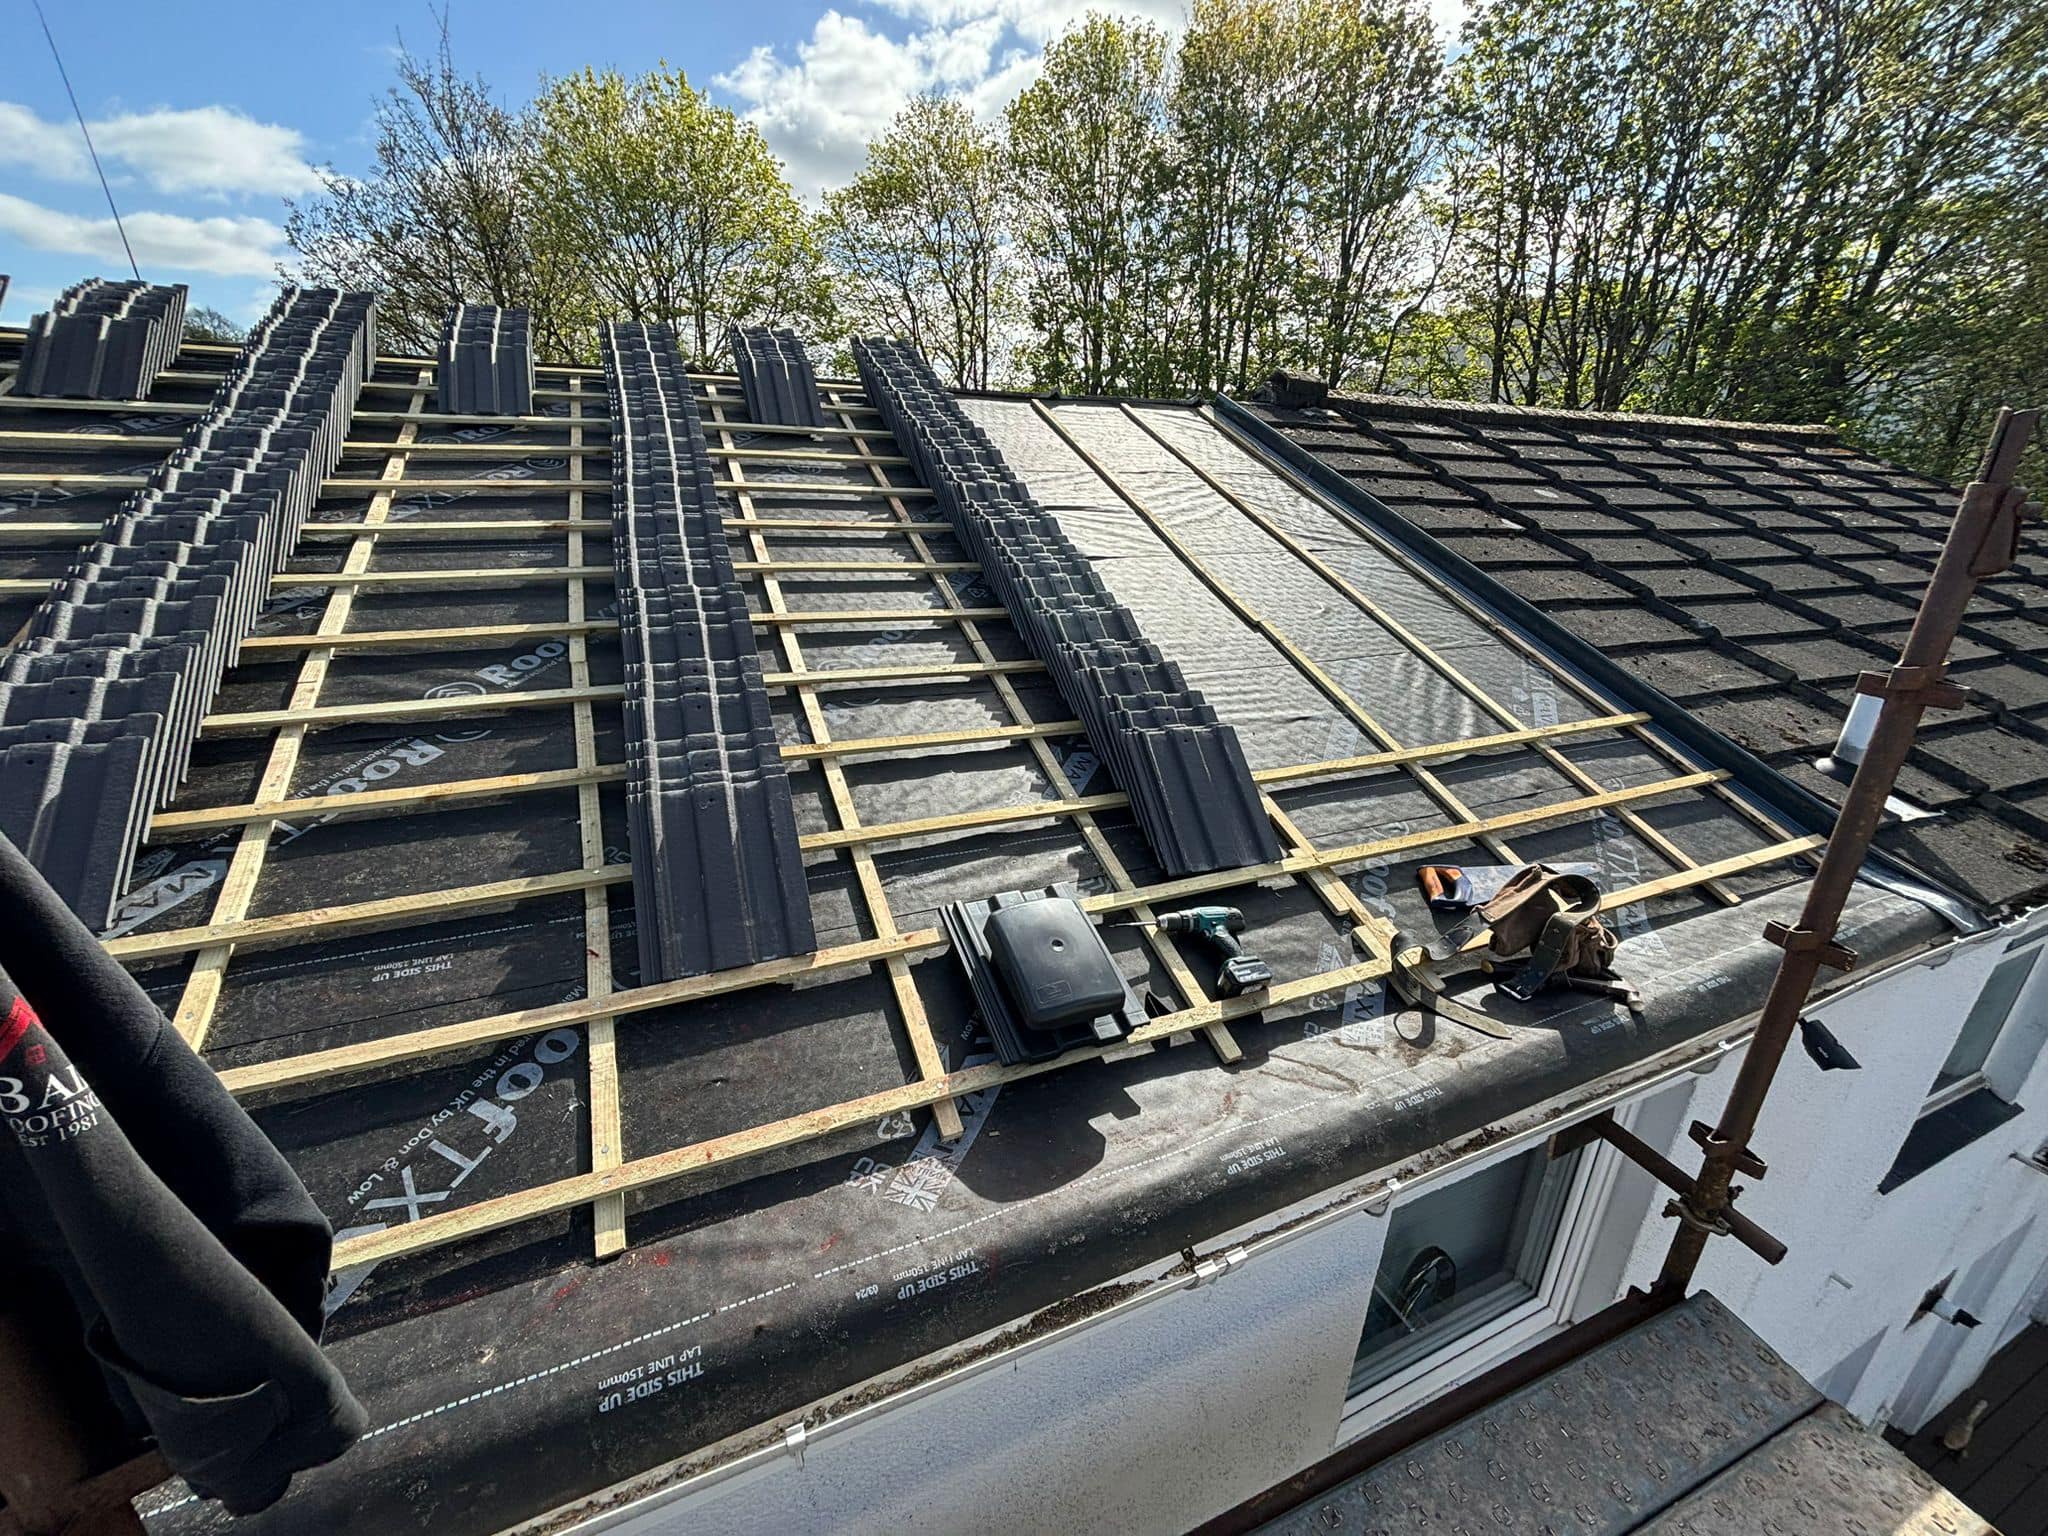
x=1789 y=801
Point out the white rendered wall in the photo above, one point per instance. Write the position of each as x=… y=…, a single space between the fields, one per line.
x=1150 y=1418
x=1839 y=1308
x=1150 y=1421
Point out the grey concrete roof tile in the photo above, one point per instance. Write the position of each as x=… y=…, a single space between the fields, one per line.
x=1682 y=584
x=718 y=873
x=1419 y=488
x=1752 y=617
x=1739 y=548
x=1966 y=647
x=1770 y=723
x=776 y=377
x=1974 y=850
x=1693 y=672
x=1984 y=756
x=1886 y=571
x=1440 y=517
x=1509 y=548
x=1627 y=550
x=1570 y=584
x=2018 y=685
x=102 y=341
x=1807 y=581
x=1817 y=659
x=1618 y=625
x=485 y=361
x=143 y=626
x=1568 y=519
x=1864 y=609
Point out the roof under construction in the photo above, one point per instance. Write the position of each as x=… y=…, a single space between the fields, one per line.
x=392 y=904
x=1748 y=572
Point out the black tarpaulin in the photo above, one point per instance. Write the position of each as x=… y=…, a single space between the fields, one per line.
x=149 y=1233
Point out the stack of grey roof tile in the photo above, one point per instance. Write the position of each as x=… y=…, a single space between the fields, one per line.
x=776 y=377
x=102 y=699
x=102 y=341
x=1190 y=787
x=718 y=877
x=486 y=362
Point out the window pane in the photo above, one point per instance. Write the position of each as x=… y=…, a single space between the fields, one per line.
x=1987 y=1018
x=1459 y=1257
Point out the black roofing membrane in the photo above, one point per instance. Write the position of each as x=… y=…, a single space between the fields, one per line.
x=84 y=458
x=226 y=769
x=764 y=1293
x=508 y=1373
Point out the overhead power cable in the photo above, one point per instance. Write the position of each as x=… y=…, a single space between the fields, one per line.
x=85 y=132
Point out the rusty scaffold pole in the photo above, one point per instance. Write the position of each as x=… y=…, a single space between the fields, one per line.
x=1983 y=541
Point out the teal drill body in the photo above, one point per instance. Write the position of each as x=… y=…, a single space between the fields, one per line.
x=1219 y=928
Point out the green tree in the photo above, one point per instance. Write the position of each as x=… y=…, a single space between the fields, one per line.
x=1767 y=209
x=1086 y=144
x=1192 y=219
x=1905 y=127
x=1240 y=143
x=1937 y=376
x=1373 y=75
x=918 y=241
x=210 y=326
x=1579 y=130
x=1738 y=210
x=668 y=208
x=442 y=218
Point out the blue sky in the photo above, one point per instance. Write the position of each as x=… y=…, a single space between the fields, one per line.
x=208 y=117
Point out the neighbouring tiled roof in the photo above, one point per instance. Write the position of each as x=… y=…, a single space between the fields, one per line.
x=1747 y=572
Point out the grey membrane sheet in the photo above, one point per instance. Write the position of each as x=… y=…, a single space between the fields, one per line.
x=510 y=1372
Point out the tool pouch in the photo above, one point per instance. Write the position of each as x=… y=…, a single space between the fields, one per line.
x=1554 y=918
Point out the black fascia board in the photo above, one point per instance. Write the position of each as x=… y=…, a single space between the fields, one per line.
x=1792 y=803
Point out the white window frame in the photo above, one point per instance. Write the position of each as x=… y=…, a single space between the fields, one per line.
x=1555 y=1305
x=1948 y=1093
x=1997 y=1072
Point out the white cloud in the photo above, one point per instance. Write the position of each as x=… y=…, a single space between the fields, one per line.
x=845 y=84
x=51 y=149
x=214 y=150
x=957 y=56
x=210 y=151
x=1004 y=84
x=1040 y=21
x=221 y=246
x=23 y=301
x=254 y=304
x=848 y=79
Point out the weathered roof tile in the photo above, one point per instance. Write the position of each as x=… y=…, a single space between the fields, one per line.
x=1750 y=574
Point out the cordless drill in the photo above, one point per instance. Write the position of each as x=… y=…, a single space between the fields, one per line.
x=1219 y=927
